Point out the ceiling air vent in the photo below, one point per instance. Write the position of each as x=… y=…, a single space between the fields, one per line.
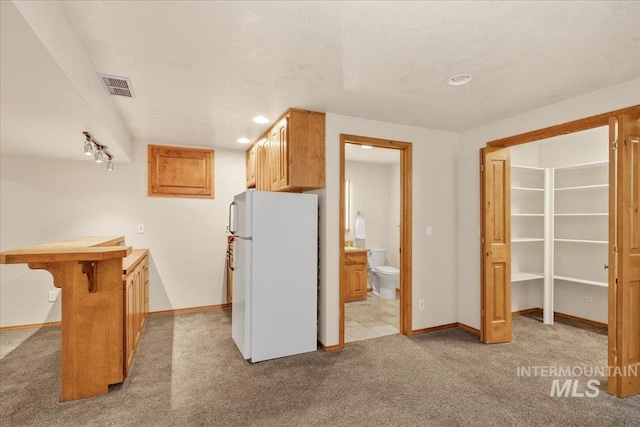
x=116 y=85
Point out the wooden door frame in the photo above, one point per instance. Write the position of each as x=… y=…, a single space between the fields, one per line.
x=587 y=123
x=406 y=227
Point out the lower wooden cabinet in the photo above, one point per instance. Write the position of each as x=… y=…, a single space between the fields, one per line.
x=355 y=266
x=135 y=281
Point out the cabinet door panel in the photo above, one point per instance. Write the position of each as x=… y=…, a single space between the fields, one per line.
x=129 y=323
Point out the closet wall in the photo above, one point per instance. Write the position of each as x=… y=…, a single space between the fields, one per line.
x=579 y=226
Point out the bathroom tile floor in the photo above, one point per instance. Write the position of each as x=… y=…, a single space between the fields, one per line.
x=370 y=318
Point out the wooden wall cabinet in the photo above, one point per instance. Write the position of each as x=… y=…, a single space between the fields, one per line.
x=289 y=156
x=262 y=166
x=180 y=172
x=135 y=281
x=251 y=166
x=355 y=266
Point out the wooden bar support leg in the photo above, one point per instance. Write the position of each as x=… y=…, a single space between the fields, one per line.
x=90 y=268
x=92 y=325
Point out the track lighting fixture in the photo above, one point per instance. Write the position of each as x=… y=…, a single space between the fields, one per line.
x=99 y=151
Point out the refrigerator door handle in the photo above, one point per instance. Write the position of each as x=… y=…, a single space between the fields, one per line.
x=232 y=218
x=230 y=257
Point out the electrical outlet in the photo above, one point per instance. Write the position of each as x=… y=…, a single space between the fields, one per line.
x=429 y=231
x=140 y=228
x=53 y=295
x=588 y=297
x=421 y=304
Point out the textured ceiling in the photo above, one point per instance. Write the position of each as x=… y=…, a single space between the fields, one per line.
x=202 y=70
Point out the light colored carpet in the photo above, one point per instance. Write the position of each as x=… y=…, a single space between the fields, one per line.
x=189 y=372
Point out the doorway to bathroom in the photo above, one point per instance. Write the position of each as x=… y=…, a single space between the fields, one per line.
x=375 y=240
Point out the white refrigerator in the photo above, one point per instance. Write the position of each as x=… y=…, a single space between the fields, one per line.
x=275 y=273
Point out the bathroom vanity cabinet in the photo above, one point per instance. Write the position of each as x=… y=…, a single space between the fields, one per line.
x=355 y=272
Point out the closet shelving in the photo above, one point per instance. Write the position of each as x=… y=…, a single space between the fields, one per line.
x=559 y=228
x=581 y=223
x=527 y=223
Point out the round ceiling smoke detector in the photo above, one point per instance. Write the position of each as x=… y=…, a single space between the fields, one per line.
x=459 y=79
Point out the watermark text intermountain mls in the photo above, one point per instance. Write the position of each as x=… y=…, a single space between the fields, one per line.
x=576 y=371
x=571 y=387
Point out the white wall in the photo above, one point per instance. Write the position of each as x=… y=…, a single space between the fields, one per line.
x=393 y=248
x=43 y=200
x=370 y=194
x=434 y=203
x=471 y=141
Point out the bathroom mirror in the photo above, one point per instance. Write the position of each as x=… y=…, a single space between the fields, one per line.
x=347 y=203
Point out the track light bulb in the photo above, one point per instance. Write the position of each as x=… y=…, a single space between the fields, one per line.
x=99 y=157
x=109 y=165
x=88 y=148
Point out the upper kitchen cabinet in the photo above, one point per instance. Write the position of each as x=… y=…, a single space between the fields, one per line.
x=289 y=156
x=180 y=172
x=251 y=166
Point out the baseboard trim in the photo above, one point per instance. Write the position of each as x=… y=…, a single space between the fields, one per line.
x=433 y=329
x=188 y=310
x=330 y=347
x=562 y=315
x=527 y=311
x=581 y=320
x=31 y=326
x=152 y=314
x=468 y=328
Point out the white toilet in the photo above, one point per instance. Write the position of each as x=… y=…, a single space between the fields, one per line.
x=383 y=278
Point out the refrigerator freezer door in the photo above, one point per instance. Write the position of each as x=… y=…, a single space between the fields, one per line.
x=242 y=214
x=284 y=275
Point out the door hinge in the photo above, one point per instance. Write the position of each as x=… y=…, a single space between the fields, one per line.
x=481 y=168
x=482 y=313
x=615 y=354
x=482 y=240
x=614 y=146
x=615 y=249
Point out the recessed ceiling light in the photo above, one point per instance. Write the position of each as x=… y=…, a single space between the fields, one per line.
x=261 y=119
x=459 y=79
x=365 y=147
x=243 y=140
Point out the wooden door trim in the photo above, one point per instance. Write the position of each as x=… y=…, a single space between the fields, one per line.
x=406 y=215
x=562 y=129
